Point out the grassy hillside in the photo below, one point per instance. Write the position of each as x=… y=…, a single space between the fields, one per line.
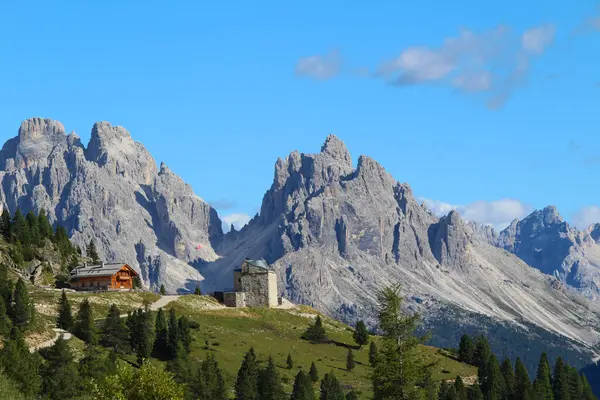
x=231 y=332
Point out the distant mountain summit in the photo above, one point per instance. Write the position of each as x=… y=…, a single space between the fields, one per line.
x=545 y=241
x=110 y=191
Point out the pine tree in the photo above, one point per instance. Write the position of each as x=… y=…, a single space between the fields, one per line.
x=6 y=287
x=542 y=384
x=163 y=291
x=5 y=224
x=161 y=344
x=586 y=389
x=350 y=363
x=461 y=390
x=302 y=389
x=313 y=373
x=361 y=334
x=180 y=365
x=185 y=334
x=399 y=369
x=5 y=322
x=45 y=228
x=508 y=373
x=145 y=341
x=174 y=336
x=198 y=292
x=34 y=229
x=60 y=373
x=443 y=392
x=246 y=384
x=64 y=319
x=316 y=333
x=85 y=328
x=22 y=310
x=432 y=388
x=451 y=394
x=20 y=365
x=574 y=382
x=560 y=383
x=372 y=354
x=475 y=393
x=522 y=385
x=131 y=322
x=92 y=252
x=20 y=229
x=209 y=383
x=95 y=365
x=16 y=254
x=491 y=380
x=466 y=349
x=114 y=331
x=482 y=352
x=352 y=395
x=331 y=388
x=269 y=385
x=289 y=362
x=61 y=239
x=137 y=282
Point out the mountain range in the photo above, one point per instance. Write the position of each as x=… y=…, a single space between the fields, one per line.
x=333 y=232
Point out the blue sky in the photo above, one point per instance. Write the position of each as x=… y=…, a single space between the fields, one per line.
x=490 y=107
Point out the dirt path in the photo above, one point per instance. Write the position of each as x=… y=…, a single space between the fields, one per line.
x=163 y=301
x=48 y=343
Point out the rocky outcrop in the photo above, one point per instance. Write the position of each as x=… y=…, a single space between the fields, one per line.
x=111 y=191
x=336 y=234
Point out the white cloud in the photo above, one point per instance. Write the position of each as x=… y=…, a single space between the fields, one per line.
x=473 y=81
x=498 y=213
x=585 y=217
x=537 y=40
x=319 y=67
x=495 y=62
x=419 y=64
x=237 y=219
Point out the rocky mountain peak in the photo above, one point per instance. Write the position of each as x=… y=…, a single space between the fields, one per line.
x=34 y=129
x=551 y=215
x=113 y=148
x=106 y=139
x=37 y=139
x=336 y=148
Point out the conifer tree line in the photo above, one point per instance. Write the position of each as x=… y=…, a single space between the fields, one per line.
x=31 y=231
x=502 y=381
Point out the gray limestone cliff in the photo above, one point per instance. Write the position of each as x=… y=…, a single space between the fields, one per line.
x=111 y=191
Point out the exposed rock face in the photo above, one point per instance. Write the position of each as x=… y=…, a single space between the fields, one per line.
x=546 y=242
x=336 y=234
x=113 y=192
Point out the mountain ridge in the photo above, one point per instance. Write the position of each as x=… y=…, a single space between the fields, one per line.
x=334 y=233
